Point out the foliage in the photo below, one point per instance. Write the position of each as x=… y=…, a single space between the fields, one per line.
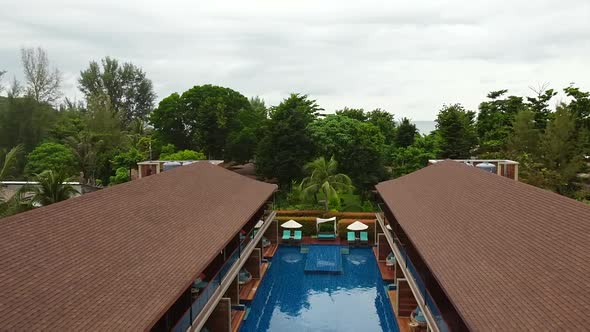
x=406 y=133
x=412 y=158
x=128 y=159
x=287 y=144
x=456 y=131
x=121 y=176
x=357 y=146
x=385 y=122
x=53 y=157
x=248 y=127
x=127 y=87
x=183 y=155
x=353 y=113
x=51 y=188
x=202 y=118
x=324 y=179
x=9 y=160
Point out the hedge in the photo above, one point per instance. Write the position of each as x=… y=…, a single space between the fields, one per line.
x=309 y=225
x=325 y=214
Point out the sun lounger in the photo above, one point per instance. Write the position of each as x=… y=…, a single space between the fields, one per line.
x=350 y=236
x=286 y=235
x=365 y=237
x=298 y=235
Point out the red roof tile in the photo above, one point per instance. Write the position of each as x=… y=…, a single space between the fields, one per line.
x=116 y=259
x=509 y=256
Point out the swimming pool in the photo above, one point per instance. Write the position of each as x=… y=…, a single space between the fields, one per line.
x=291 y=300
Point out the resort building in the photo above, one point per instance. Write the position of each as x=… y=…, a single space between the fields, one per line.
x=476 y=251
x=167 y=252
x=503 y=167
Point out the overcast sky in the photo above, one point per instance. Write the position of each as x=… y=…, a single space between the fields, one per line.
x=408 y=57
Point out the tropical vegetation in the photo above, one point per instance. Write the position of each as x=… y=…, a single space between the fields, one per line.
x=100 y=139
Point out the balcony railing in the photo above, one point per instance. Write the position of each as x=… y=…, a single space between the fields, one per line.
x=427 y=300
x=207 y=293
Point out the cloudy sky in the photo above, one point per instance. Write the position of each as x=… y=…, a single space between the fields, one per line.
x=408 y=57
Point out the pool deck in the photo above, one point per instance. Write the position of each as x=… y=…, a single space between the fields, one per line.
x=248 y=291
x=402 y=322
x=270 y=251
x=387 y=272
x=237 y=317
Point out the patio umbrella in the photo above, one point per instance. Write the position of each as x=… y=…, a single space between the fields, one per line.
x=291 y=224
x=357 y=226
x=259 y=224
x=388 y=227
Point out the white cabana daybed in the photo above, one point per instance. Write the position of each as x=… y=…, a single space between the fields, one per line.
x=323 y=235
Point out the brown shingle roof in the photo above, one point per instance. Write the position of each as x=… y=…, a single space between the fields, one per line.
x=116 y=259
x=509 y=256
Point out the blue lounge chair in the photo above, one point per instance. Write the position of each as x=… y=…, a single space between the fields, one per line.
x=350 y=236
x=364 y=237
x=286 y=235
x=298 y=235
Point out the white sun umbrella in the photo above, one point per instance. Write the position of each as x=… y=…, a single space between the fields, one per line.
x=357 y=226
x=388 y=227
x=291 y=224
x=259 y=224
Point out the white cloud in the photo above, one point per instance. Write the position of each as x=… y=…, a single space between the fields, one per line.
x=406 y=57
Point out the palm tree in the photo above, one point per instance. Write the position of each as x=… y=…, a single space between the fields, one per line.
x=8 y=204
x=52 y=187
x=324 y=179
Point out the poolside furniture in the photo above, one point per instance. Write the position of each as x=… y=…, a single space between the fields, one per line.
x=297 y=236
x=286 y=235
x=351 y=237
x=417 y=317
x=364 y=238
x=326 y=235
x=244 y=277
x=390 y=260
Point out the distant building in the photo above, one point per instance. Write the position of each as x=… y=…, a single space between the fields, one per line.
x=150 y=167
x=478 y=252
x=503 y=167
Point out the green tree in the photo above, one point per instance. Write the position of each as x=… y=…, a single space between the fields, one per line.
x=353 y=113
x=244 y=136
x=200 y=119
x=525 y=134
x=121 y=176
x=539 y=105
x=456 y=130
x=130 y=92
x=561 y=153
x=183 y=155
x=494 y=120
x=52 y=187
x=414 y=157
x=51 y=156
x=9 y=204
x=325 y=180
x=2 y=72
x=357 y=146
x=385 y=122
x=287 y=144
x=406 y=133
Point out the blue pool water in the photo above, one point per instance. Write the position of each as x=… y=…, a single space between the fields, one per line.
x=289 y=299
x=323 y=259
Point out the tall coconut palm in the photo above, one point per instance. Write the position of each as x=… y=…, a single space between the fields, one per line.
x=324 y=179
x=51 y=188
